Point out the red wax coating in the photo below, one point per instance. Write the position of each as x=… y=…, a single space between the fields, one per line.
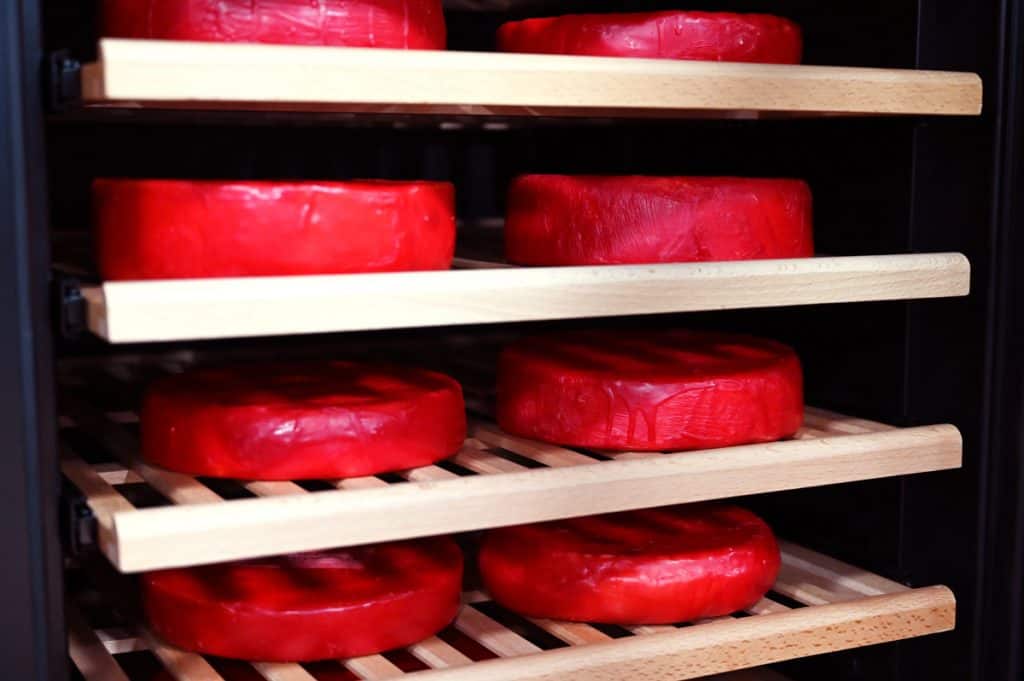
x=301 y=421
x=649 y=390
x=174 y=229
x=706 y=36
x=593 y=220
x=656 y=566
x=315 y=606
x=399 y=24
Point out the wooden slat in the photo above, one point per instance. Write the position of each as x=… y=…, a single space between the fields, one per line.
x=103 y=500
x=485 y=462
x=766 y=606
x=179 y=488
x=277 y=77
x=649 y=629
x=116 y=474
x=370 y=510
x=549 y=455
x=774 y=634
x=274 y=489
x=275 y=671
x=437 y=654
x=698 y=651
x=182 y=665
x=832 y=422
x=88 y=652
x=573 y=633
x=124 y=312
x=373 y=668
x=119 y=640
x=497 y=638
x=808 y=564
x=369 y=482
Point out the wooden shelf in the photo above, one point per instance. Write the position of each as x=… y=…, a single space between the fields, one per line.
x=210 y=76
x=483 y=293
x=495 y=479
x=840 y=607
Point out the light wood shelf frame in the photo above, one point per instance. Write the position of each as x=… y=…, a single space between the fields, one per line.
x=484 y=293
x=165 y=74
x=843 y=607
x=199 y=526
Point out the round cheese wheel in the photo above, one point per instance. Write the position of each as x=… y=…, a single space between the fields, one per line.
x=707 y=36
x=658 y=566
x=173 y=229
x=649 y=390
x=590 y=220
x=314 y=606
x=399 y=24
x=301 y=421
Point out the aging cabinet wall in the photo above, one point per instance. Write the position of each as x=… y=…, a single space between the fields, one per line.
x=906 y=322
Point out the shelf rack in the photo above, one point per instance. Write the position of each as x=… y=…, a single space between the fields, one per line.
x=480 y=292
x=495 y=479
x=196 y=76
x=836 y=607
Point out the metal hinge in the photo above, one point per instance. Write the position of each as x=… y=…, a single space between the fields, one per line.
x=64 y=81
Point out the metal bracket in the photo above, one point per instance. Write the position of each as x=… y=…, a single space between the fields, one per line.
x=69 y=307
x=78 y=524
x=63 y=81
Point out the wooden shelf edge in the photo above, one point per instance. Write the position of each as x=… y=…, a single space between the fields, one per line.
x=278 y=77
x=154 y=311
x=724 y=646
x=213 y=532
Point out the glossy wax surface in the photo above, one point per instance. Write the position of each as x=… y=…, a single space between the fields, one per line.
x=655 y=566
x=602 y=220
x=398 y=24
x=301 y=421
x=650 y=389
x=706 y=36
x=172 y=229
x=325 y=605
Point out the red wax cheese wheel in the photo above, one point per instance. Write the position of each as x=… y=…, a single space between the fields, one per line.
x=591 y=220
x=174 y=229
x=301 y=421
x=649 y=390
x=707 y=36
x=644 y=567
x=399 y=24
x=333 y=604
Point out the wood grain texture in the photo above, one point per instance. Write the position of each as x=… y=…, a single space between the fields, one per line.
x=663 y=653
x=287 y=519
x=88 y=652
x=277 y=77
x=728 y=645
x=773 y=633
x=125 y=312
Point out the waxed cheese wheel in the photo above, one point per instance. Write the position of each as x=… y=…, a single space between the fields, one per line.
x=605 y=220
x=397 y=24
x=332 y=604
x=649 y=390
x=175 y=229
x=706 y=36
x=301 y=421
x=658 y=566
